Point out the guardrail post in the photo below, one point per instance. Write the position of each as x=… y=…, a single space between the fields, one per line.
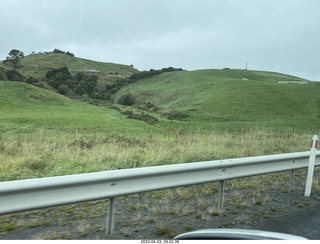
x=291 y=172
x=221 y=194
x=110 y=217
x=312 y=160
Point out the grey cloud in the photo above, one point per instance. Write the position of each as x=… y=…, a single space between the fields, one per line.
x=269 y=34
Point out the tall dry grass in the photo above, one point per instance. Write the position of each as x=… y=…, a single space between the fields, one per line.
x=28 y=158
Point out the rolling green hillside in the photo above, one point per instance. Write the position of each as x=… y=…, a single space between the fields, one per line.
x=26 y=106
x=37 y=65
x=201 y=99
x=229 y=98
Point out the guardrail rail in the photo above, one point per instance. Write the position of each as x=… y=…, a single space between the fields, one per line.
x=30 y=194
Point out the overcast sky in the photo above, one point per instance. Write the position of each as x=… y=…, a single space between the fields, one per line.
x=272 y=35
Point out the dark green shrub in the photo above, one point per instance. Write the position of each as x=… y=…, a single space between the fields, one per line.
x=127 y=99
x=3 y=75
x=14 y=75
x=31 y=80
x=63 y=89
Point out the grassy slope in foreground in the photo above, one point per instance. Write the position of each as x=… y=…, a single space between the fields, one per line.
x=24 y=105
x=232 y=98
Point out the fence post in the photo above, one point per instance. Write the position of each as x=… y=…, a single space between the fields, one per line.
x=76 y=134
x=19 y=142
x=94 y=133
x=312 y=160
x=0 y=135
x=177 y=133
x=110 y=217
x=41 y=136
x=221 y=194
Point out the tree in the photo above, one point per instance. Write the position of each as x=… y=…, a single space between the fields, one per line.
x=14 y=58
x=89 y=84
x=80 y=76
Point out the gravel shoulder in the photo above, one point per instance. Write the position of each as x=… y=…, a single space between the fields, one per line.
x=167 y=213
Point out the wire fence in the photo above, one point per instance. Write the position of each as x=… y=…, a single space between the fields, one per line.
x=47 y=134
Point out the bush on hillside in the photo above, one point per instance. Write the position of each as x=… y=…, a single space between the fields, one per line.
x=53 y=72
x=14 y=75
x=62 y=52
x=31 y=80
x=144 y=117
x=39 y=84
x=101 y=96
x=127 y=99
x=175 y=115
x=3 y=75
x=63 y=89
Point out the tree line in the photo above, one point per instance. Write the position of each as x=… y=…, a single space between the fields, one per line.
x=79 y=84
x=113 y=88
x=83 y=84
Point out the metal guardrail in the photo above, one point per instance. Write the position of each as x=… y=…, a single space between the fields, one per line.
x=23 y=195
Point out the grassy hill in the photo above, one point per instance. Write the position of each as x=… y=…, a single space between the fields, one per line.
x=24 y=106
x=229 y=98
x=201 y=99
x=37 y=65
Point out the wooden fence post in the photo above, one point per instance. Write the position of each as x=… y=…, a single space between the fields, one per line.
x=94 y=133
x=41 y=136
x=19 y=142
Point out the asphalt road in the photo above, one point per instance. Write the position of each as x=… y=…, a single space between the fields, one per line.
x=303 y=222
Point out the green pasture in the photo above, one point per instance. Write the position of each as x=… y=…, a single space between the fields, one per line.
x=230 y=98
x=213 y=99
x=23 y=106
